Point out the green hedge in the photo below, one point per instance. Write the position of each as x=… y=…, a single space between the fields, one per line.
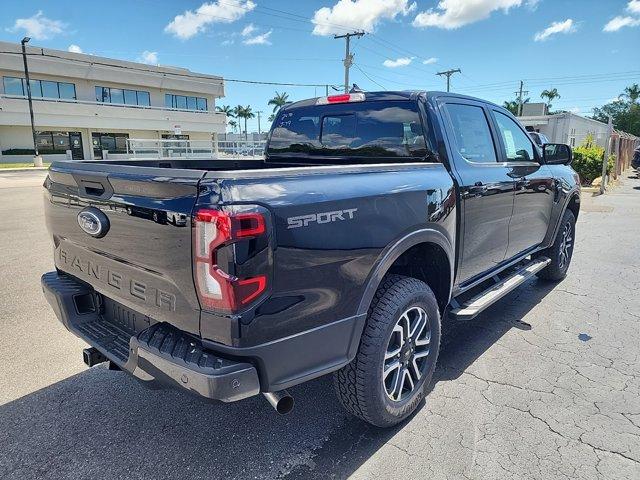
x=587 y=161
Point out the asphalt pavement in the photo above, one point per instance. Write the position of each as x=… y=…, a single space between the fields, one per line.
x=545 y=384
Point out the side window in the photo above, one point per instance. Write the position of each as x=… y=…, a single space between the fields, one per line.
x=471 y=132
x=517 y=145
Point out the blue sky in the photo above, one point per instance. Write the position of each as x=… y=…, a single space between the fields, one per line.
x=588 y=49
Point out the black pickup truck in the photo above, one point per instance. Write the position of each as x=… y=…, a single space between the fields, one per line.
x=371 y=217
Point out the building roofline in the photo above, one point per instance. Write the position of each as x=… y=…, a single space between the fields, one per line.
x=15 y=48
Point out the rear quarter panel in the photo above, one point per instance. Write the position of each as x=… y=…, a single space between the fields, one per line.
x=331 y=228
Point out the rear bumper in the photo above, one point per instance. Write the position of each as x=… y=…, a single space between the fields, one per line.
x=158 y=354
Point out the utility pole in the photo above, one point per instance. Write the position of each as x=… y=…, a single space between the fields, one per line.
x=520 y=93
x=448 y=74
x=37 y=160
x=348 y=56
x=605 y=159
x=259 y=112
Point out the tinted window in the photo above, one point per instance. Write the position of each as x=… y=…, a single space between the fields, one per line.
x=50 y=89
x=168 y=100
x=36 y=88
x=143 y=98
x=202 y=104
x=181 y=102
x=67 y=91
x=191 y=103
x=338 y=131
x=130 y=97
x=117 y=95
x=364 y=129
x=102 y=94
x=471 y=133
x=517 y=145
x=13 y=86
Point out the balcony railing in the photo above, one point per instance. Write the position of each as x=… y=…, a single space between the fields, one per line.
x=145 y=149
x=117 y=105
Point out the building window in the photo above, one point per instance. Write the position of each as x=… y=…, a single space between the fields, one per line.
x=52 y=142
x=39 y=88
x=184 y=102
x=122 y=96
x=113 y=142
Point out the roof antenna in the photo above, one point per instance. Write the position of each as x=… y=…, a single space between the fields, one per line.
x=356 y=89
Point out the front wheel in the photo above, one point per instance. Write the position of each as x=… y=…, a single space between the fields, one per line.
x=398 y=350
x=561 y=251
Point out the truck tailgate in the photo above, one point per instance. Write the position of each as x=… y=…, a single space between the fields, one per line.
x=141 y=257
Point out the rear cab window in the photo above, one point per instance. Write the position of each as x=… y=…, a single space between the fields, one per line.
x=387 y=130
x=471 y=132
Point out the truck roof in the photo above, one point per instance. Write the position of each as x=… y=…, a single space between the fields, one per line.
x=392 y=95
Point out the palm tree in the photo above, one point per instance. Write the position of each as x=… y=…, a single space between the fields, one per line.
x=226 y=109
x=246 y=114
x=233 y=124
x=279 y=101
x=632 y=93
x=550 y=95
x=514 y=106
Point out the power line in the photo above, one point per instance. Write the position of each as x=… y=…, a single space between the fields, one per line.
x=367 y=75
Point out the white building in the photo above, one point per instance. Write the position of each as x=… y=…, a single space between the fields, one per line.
x=85 y=105
x=567 y=128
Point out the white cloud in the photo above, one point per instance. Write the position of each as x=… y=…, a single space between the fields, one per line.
x=431 y=60
x=190 y=23
x=452 y=14
x=619 y=22
x=150 y=58
x=634 y=7
x=398 y=62
x=347 y=15
x=262 y=39
x=248 y=30
x=227 y=42
x=73 y=48
x=575 y=110
x=555 y=28
x=38 y=26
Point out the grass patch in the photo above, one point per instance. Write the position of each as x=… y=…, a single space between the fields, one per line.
x=21 y=165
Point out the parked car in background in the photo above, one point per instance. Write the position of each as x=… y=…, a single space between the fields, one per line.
x=371 y=217
x=540 y=138
x=635 y=163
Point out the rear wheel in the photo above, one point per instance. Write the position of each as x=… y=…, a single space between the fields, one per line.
x=561 y=251
x=398 y=350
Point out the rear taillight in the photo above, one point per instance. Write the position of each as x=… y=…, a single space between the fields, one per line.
x=214 y=229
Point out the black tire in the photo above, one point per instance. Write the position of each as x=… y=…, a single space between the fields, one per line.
x=560 y=253
x=360 y=385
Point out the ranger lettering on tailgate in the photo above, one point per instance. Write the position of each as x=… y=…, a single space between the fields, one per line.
x=135 y=288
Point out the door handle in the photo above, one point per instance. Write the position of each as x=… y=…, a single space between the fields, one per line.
x=478 y=189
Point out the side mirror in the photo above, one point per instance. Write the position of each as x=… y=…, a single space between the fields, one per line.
x=557 y=154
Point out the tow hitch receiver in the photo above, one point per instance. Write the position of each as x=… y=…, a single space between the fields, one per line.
x=92 y=356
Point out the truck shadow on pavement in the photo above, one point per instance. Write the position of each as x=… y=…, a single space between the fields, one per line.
x=104 y=424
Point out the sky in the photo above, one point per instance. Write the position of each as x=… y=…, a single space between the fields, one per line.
x=588 y=49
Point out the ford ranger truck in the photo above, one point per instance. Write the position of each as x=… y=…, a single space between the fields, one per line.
x=371 y=217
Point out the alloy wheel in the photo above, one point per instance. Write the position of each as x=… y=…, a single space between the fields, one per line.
x=405 y=360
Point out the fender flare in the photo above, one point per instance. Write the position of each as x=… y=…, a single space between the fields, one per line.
x=575 y=193
x=393 y=251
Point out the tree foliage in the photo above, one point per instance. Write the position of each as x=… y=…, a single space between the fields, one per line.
x=278 y=101
x=625 y=112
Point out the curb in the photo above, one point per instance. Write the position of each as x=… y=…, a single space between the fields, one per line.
x=24 y=169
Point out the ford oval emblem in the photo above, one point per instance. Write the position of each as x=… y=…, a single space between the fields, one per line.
x=93 y=222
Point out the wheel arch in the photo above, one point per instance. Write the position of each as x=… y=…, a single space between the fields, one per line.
x=425 y=254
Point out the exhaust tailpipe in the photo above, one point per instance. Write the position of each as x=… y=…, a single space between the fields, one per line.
x=281 y=401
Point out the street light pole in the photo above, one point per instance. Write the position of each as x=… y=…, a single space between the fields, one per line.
x=37 y=160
